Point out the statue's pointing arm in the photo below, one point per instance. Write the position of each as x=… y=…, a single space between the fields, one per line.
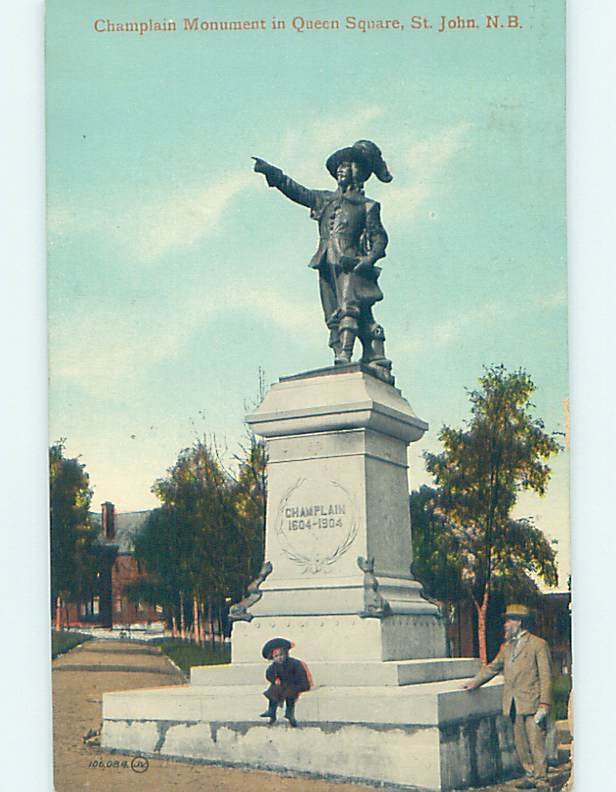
x=276 y=178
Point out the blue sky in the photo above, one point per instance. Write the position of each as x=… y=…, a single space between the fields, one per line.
x=174 y=273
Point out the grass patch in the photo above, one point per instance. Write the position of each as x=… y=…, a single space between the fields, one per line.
x=62 y=642
x=561 y=686
x=187 y=654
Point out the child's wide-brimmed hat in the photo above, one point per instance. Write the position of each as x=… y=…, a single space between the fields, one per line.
x=275 y=643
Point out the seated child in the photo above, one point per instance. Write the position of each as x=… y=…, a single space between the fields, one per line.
x=288 y=678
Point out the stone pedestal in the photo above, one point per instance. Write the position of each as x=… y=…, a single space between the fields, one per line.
x=337 y=492
x=387 y=705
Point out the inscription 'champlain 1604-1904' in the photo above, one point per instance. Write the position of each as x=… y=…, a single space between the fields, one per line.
x=317 y=516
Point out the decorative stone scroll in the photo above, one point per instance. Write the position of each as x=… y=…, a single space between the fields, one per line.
x=375 y=605
x=239 y=612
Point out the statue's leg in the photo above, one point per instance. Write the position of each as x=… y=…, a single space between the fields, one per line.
x=331 y=313
x=349 y=315
x=372 y=336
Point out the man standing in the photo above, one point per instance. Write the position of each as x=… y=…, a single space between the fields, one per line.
x=351 y=240
x=524 y=660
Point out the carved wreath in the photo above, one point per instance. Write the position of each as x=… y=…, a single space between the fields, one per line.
x=315 y=564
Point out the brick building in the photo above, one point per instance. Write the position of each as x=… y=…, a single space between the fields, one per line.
x=109 y=606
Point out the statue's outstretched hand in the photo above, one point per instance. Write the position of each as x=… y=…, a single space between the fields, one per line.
x=271 y=172
x=261 y=166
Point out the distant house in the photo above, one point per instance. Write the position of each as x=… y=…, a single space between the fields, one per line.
x=108 y=606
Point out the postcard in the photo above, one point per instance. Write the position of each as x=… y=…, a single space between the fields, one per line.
x=309 y=405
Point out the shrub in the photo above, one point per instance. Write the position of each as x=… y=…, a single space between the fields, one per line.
x=62 y=642
x=561 y=687
x=186 y=654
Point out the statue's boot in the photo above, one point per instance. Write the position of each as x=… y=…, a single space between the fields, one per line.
x=334 y=333
x=373 y=340
x=348 y=333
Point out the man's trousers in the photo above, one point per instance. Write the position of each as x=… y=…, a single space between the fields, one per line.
x=529 y=744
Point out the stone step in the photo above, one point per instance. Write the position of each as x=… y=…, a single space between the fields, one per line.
x=430 y=737
x=432 y=703
x=346 y=674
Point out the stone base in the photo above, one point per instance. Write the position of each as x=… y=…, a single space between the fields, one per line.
x=346 y=674
x=387 y=706
x=344 y=638
x=430 y=736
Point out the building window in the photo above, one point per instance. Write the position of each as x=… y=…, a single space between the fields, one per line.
x=158 y=608
x=118 y=604
x=96 y=606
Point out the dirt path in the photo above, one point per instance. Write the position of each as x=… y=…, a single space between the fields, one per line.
x=79 y=680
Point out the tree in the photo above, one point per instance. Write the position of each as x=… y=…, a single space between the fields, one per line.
x=436 y=562
x=159 y=548
x=73 y=564
x=205 y=543
x=251 y=491
x=251 y=504
x=502 y=450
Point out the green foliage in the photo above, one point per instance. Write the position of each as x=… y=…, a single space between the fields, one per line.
x=501 y=451
x=206 y=540
x=187 y=654
x=62 y=642
x=250 y=497
x=159 y=547
x=561 y=687
x=436 y=562
x=73 y=564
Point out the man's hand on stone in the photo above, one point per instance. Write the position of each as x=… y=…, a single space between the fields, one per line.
x=541 y=714
x=468 y=686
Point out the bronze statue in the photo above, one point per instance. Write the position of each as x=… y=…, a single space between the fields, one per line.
x=352 y=239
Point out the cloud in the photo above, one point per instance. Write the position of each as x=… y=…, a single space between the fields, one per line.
x=305 y=150
x=449 y=330
x=280 y=310
x=179 y=219
x=554 y=299
x=420 y=160
x=108 y=351
x=422 y=165
x=148 y=225
x=103 y=349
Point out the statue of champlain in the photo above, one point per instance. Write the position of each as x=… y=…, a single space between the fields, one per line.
x=351 y=240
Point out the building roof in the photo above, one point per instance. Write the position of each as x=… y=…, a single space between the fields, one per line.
x=127 y=526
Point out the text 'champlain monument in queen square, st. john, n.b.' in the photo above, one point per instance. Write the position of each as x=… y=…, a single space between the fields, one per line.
x=387 y=703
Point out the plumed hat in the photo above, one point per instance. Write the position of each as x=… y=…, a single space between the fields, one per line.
x=516 y=612
x=275 y=643
x=366 y=154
